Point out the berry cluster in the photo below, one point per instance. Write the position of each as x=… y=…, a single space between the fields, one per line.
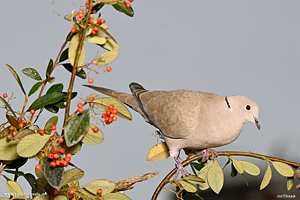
x=109 y=115
x=72 y=191
x=14 y=131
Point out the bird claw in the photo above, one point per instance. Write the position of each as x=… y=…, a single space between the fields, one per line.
x=205 y=154
x=180 y=168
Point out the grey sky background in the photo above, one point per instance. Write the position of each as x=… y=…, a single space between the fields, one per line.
x=223 y=47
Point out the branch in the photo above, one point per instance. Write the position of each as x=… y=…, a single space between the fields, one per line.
x=127 y=183
x=224 y=153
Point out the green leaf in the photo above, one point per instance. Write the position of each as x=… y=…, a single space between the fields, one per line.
x=55 y=88
x=16 y=163
x=238 y=166
x=203 y=173
x=81 y=73
x=123 y=112
x=188 y=186
x=111 y=2
x=51 y=122
x=8 y=106
x=233 y=171
x=121 y=7
x=283 y=169
x=24 y=133
x=14 y=73
x=194 y=179
x=32 y=181
x=60 y=197
x=8 y=149
x=72 y=175
x=46 y=100
x=41 y=197
x=197 y=166
x=110 y=45
x=52 y=108
x=76 y=128
x=64 y=55
x=32 y=73
x=6 y=178
x=250 y=168
x=290 y=182
x=31 y=144
x=159 y=152
x=267 y=177
x=35 y=88
x=105 y=185
x=74 y=149
x=215 y=176
x=74 y=94
x=91 y=137
x=13 y=120
x=49 y=68
x=115 y=196
x=14 y=188
x=15 y=172
x=73 y=50
x=96 y=39
x=106 y=58
x=54 y=175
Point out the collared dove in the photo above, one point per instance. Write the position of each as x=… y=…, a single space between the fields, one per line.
x=190 y=119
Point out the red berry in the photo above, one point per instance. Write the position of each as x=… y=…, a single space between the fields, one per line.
x=110 y=107
x=94 y=11
x=114 y=111
x=32 y=111
x=80 y=15
x=103 y=115
x=87 y=130
x=71 y=191
x=24 y=121
x=108 y=69
x=42 y=132
x=53 y=127
x=91 y=98
x=73 y=198
x=107 y=123
x=95 y=28
x=62 y=150
x=43 y=155
x=4 y=95
x=80 y=110
x=50 y=156
x=87 y=5
x=91 y=19
x=79 y=19
x=108 y=112
x=130 y=0
x=61 y=163
x=67 y=159
x=114 y=118
x=55 y=156
x=66 y=164
x=14 y=133
x=99 y=191
x=79 y=105
x=9 y=136
x=57 y=162
x=53 y=164
x=128 y=5
x=38 y=167
x=73 y=29
x=11 y=128
x=60 y=140
x=80 y=11
x=93 y=32
x=51 y=139
x=21 y=125
x=54 y=191
x=110 y=120
x=69 y=155
x=54 y=150
x=95 y=129
x=102 y=21
x=90 y=80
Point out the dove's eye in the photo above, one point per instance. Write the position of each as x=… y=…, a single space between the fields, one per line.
x=248 y=107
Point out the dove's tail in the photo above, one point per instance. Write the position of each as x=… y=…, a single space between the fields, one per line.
x=125 y=98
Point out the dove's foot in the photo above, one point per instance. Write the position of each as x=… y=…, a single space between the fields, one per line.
x=180 y=168
x=205 y=154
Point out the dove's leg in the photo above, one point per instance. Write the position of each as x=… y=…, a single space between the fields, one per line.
x=180 y=168
x=205 y=154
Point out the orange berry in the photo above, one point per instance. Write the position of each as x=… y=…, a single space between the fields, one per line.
x=14 y=133
x=111 y=107
x=80 y=110
x=108 y=69
x=21 y=125
x=91 y=19
x=71 y=191
x=114 y=111
x=53 y=127
x=103 y=115
x=62 y=150
x=9 y=136
x=95 y=129
x=57 y=162
x=90 y=80
x=24 y=121
x=73 y=198
x=73 y=29
x=80 y=11
x=43 y=155
x=94 y=11
x=87 y=5
x=114 y=118
x=94 y=32
x=69 y=155
x=66 y=164
x=11 y=128
x=102 y=21
x=42 y=132
x=79 y=105
x=4 y=95
x=67 y=159
x=95 y=28
x=99 y=191
x=32 y=111
x=53 y=164
x=55 y=156
x=91 y=98
x=60 y=140
x=38 y=167
x=128 y=5
x=87 y=130
x=51 y=139
x=54 y=150
x=50 y=155
x=79 y=19
x=54 y=191
x=108 y=112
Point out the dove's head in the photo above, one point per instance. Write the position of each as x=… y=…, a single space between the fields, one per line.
x=245 y=107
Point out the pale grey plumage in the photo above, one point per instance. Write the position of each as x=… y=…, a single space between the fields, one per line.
x=190 y=119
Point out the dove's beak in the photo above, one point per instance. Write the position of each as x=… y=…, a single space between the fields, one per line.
x=256 y=122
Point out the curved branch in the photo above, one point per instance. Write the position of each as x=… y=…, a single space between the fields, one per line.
x=224 y=153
